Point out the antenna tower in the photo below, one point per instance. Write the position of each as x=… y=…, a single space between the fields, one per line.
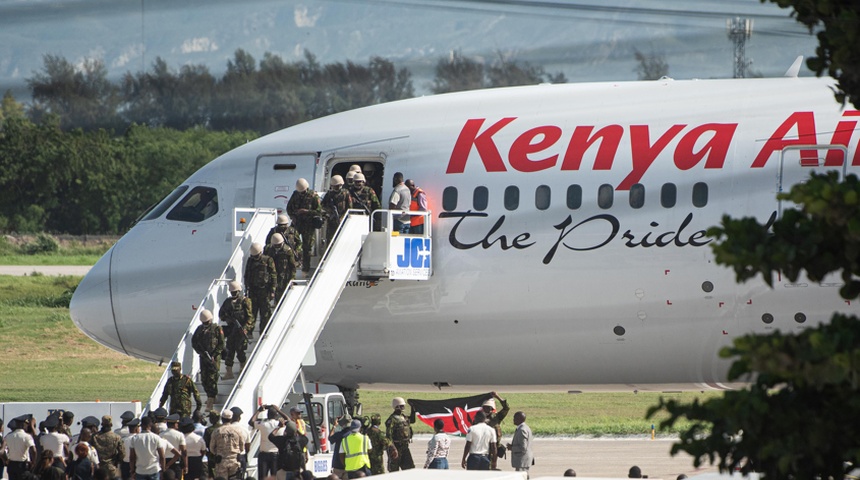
x=739 y=31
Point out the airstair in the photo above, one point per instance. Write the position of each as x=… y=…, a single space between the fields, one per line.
x=275 y=358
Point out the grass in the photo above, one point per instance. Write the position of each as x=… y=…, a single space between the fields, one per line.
x=46 y=358
x=46 y=250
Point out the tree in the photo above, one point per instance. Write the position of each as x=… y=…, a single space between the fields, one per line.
x=798 y=418
x=457 y=74
x=838 y=51
x=650 y=67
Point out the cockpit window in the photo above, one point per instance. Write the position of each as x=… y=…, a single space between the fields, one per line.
x=163 y=205
x=200 y=204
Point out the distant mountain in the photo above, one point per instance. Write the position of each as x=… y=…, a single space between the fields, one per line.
x=587 y=40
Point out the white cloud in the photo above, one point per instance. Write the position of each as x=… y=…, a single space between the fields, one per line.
x=303 y=18
x=128 y=55
x=199 y=44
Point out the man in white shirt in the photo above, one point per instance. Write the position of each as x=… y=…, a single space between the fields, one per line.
x=267 y=459
x=21 y=448
x=133 y=428
x=195 y=448
x=400 y=199
x=480 y=451
x=147 y=454
x=54 y=441
x=177 y=463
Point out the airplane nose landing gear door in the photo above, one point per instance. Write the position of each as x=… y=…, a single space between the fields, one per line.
x=276 y=177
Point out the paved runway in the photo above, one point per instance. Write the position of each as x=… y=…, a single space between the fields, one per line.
x=21 y=270
x=589 y=457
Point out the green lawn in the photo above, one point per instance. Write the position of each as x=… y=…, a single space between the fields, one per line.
x=47 y=359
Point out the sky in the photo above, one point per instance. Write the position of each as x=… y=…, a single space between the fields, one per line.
x=587 y=40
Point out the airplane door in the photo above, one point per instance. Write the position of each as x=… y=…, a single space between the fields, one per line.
x=797 y=162
x=277 y=174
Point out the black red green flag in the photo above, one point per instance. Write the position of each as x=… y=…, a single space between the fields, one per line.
x=457 y=413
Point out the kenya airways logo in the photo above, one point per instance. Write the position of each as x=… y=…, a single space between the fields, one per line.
x=548 y=146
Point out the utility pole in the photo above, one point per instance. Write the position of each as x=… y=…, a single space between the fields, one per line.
x=739 y=30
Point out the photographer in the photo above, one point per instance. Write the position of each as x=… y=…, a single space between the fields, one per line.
x=290 y=445
x=267 y=460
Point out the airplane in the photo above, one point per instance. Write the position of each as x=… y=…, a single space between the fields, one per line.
x=568 y=222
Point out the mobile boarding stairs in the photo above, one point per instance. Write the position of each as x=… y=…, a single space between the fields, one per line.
x=362 y=247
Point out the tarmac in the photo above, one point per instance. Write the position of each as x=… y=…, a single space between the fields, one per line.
x=51 y=270
x=589 y=457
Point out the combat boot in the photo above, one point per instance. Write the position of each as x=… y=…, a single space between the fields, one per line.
x=241 y=367
x=228 y=375
x=210 y=403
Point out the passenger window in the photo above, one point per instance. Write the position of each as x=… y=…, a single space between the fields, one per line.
x=512 y=198
x=200 y=204
x=480 y=198
x=605 y=196
x=542 y=197
x=668 y=195
x=637 y=195
x=574 y=197
x=700 y=194
x=162 y=206
x=449 y=199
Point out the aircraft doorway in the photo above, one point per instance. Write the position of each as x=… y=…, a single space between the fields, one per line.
x=797 y=162
x=276 y=177
x=373 y=169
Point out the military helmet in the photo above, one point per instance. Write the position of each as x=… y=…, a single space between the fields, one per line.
x=375 y=419
x=369 y=167
x=355 y=168
x=490 y=402
x=350 y=175
x=256 y=248
x=283 y=219
x=301 y=185
x=175 y=366
x=205 y=316
x=358 y=177
x=235 y=286
x=336 y=180
x=398 y=401
x=277 y=239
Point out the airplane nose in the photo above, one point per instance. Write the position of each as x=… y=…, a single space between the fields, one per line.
x=91 y=307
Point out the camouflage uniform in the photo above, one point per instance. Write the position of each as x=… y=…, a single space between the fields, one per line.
x=215 y=418
x=110 y=449
x=291 y=237
x=495 y=420
x=379 y=443
x=237 y=314
x=334 y=205
x=285 y=264
x=209 y=339
x=261 y=280
x=304 y=221
x=180 y=390
x=399 y=432
x=365 y=198
x=228 y=442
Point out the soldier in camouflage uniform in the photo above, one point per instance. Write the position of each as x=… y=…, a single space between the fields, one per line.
x=215 y=422
x=363 y=196
x=180 y=388
x=208 y=342
x=399 y=432
x=335 y=204
x=238 y=318
x=304 y=207
x=261 y=280
x=285 y=263
x=109 y=447
x=494 y=419
x=379 y=443
x=290 y=234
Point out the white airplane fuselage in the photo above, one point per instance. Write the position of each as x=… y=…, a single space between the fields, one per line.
x=568 y=227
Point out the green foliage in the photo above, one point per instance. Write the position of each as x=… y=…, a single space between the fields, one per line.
x=459 y=73
x=838 y=52
x=43 y=243
x=650 y=66
x=798 y=418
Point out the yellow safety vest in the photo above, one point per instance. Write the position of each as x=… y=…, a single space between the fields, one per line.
x=355 y=450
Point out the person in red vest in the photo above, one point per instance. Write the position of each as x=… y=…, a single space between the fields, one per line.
x=419 y=204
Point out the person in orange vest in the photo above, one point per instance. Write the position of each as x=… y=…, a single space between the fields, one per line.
x=419 y=204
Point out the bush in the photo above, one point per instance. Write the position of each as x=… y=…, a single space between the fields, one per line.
x=43 y=243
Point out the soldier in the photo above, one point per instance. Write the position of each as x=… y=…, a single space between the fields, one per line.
x=399 y=432
x=180 y=388
x=494 y=419
x=290 y=234
x=304 y=208
x=380 y=443
x=109 y=447
x=238 y=317
x=261 y=280
x=208 y=342
x=228 y=442
x=285 y=263
x=363 y=196
x=215 y=422
x=335 y=204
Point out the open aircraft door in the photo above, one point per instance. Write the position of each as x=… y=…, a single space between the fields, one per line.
x=797 y=162
x=276 y=177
